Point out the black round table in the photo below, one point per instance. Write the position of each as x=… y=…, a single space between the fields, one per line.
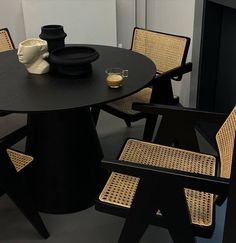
x=65 y=174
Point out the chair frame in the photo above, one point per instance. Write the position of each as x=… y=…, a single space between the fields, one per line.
x=148 y=199
x=11 y=182
x=183 y=118
x=162 y=92
x=13 y=46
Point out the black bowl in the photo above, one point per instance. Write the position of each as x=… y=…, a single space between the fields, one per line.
x=73 y=60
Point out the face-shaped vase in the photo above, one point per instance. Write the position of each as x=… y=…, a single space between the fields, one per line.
x=32 y=53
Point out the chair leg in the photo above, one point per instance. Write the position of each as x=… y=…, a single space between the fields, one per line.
x=4 y=113
x=187 y=139
x=22 y=200
x=149 y=128
x=127 y=122
x=2 y=192
x=95 y=111
x=162 y=93
x=184 y=137
x=142 y=210
x=174 y=209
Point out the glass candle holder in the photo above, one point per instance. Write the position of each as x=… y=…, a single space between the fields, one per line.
x=115 y=77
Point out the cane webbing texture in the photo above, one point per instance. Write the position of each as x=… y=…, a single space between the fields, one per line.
x=125 y=104
x=120 y=188
x=5 y=41
x=18 y=159
x=166 y=51
x=225 y=141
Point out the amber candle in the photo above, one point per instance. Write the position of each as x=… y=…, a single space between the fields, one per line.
x=114 y=80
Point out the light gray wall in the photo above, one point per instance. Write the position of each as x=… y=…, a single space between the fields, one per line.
x=141 y=13
x=177 y=17
x=125 y=21
x=87 y=21
x=196 y=52
x=11 y=16
x=130 y=13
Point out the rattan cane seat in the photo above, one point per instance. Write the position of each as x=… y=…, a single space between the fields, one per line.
x=18 y=159
x=120 y=189
x=125 y=104
x=5 y=40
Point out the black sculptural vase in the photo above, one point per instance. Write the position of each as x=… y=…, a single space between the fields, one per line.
x=54 y=35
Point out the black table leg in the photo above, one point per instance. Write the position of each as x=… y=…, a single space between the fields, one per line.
x=65 y=175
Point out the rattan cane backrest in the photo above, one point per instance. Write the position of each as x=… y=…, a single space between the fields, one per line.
x=225 y=141
x=6 y=43
x=165 y=50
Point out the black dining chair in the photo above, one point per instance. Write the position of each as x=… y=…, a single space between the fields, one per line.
x=6 y=44
x=174 y=188
x=169 y=53
x=12 y=183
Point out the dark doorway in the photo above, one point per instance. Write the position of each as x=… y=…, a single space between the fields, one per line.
x=217 y=72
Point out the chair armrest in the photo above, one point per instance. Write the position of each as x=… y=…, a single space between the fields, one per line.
x=175 y=73
x=192 y=114
x=14 y=137
x=193 y=181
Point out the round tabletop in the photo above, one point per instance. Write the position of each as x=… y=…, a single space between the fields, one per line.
x=23 y=92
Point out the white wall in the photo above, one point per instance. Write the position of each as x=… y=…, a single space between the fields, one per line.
x=87 y=21
x=197 y=33
x=125 y=21
x=177 y=17
x=11 y=16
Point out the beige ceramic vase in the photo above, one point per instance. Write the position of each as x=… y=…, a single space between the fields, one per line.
x=32 y=53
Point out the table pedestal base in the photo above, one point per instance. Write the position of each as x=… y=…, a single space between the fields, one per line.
x=65 y=174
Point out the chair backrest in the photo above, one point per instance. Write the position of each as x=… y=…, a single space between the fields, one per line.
x=167 y=51
x=225 y=141
x=6 y=42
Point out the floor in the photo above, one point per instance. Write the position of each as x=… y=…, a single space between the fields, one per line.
x=88 y=226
